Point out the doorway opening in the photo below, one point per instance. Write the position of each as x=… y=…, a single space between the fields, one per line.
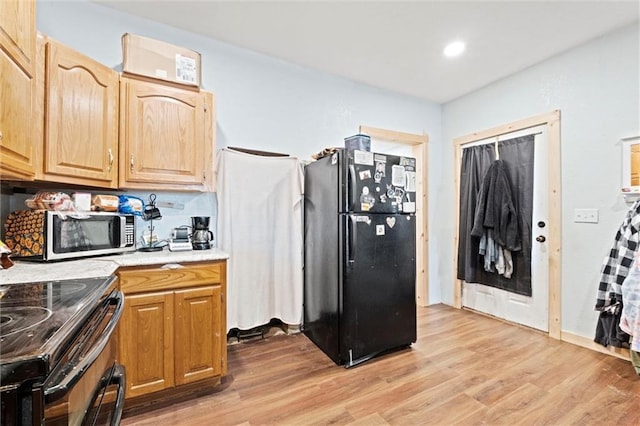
x=414 y=145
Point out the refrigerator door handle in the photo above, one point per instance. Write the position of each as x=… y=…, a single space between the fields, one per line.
x=352 y=187
x=351 y=247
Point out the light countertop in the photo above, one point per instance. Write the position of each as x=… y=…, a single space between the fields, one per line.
x=138 y=258
x=23 y=272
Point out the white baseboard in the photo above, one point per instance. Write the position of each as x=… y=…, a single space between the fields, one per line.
x=585 y=342
x=575 y=339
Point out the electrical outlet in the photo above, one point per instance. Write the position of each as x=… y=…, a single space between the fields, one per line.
x=585 y=215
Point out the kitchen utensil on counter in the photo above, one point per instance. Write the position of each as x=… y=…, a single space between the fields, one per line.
x=201 y=236
x=180 y=239
x=150 y=213
x=200 y=222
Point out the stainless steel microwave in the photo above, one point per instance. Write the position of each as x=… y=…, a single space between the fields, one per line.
x=51 y=235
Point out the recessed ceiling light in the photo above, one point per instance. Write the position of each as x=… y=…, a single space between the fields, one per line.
x=454 y=49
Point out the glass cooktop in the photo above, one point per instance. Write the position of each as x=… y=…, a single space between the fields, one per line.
x=36 y=319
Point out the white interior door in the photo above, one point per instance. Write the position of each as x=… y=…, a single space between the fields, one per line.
x=530 y=311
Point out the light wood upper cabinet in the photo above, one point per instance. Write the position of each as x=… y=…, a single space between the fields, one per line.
x=18 y=135
x=166 y=136
x=18 y=32
x=81 y=119
x=173 y=329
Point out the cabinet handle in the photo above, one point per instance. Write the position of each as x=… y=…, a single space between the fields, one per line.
x=110 y=159
x=131 y=164
x=171 y=266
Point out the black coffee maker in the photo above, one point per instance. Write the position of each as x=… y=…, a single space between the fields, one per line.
x=201 y=237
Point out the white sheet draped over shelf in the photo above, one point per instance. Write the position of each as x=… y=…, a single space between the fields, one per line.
x=260 y=226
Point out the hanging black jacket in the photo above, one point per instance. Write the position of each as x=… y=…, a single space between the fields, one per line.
x=495 y=208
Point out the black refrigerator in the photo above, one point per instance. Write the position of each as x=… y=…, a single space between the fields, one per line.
x=360 y=254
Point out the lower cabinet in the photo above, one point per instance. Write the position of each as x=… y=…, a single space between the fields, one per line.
x=197 y=342
x=173 y=330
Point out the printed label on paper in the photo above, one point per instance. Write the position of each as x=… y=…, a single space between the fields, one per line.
x=398 y=176
x=185 y=69
x=363 y=157
x=409 y=162
x=410 y=184
x=380 y=158
x=364 y=219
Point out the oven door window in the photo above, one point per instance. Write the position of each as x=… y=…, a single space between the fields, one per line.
x=90 y=234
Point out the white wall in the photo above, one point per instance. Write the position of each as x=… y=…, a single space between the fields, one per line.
x=596 y=87
x=265 y=103
x=262 y=103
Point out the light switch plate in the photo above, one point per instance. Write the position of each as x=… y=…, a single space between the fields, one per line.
x=585 y=215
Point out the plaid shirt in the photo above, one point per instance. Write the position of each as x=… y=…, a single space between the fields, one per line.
x=616 y=265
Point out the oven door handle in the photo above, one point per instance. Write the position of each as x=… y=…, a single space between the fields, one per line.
x=116 y=298
x=115 y=376
x=119 y=378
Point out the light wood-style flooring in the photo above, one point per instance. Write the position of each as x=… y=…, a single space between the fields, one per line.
x=465 y=369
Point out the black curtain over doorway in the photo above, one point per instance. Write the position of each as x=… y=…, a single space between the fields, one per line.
x=518 y=157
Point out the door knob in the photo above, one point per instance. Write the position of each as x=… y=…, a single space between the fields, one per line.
x=541 y=224
x=541 y=239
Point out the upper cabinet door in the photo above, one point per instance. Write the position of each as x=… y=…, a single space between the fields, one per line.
x=81 y=132
x=18 y=32
x=165 y=136
x=18 y=135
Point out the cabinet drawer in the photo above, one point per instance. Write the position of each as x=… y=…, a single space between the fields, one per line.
x=170 y=276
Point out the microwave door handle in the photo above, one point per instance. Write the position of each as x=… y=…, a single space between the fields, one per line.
x=97 y=349
x=123 y=231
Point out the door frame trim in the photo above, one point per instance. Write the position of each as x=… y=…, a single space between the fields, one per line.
x=552 y=122
x=419 y=144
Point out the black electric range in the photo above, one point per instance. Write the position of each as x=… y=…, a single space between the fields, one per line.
x=47 y=328
x=36 y=319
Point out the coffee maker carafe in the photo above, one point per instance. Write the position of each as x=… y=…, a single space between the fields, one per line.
x=201 y=235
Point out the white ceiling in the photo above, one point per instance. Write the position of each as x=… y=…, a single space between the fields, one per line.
x=394 y=44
